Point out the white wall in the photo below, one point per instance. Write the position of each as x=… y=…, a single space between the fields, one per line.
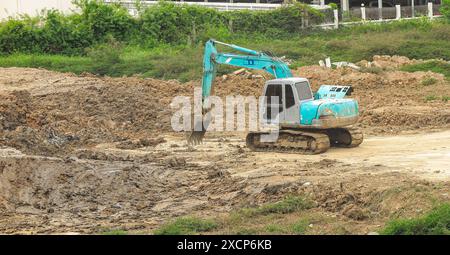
x=32 y=7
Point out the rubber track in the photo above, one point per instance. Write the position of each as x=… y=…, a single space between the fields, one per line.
x=321 y=140
x=356 y=135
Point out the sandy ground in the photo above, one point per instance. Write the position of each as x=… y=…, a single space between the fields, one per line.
x=84 y=154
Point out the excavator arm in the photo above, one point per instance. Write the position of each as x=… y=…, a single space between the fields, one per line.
x=252 y=59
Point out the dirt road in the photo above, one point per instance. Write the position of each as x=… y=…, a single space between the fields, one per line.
x=422 y=155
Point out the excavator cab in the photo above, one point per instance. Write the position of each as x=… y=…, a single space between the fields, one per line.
x=295 y=106
x=309 y=123
x=286 y=95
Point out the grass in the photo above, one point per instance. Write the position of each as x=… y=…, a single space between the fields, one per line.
x=414 y=39
x=186 y=226
x=434 y=66
x=430 y=98
x=287 y=205
x=427 y=81
x=281 y=217
x=300 y=227
x=435 y=222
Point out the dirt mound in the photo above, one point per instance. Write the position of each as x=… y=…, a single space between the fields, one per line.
x=388 y=62
x=50 y=113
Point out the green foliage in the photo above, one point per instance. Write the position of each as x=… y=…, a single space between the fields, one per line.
x=333 y=6
x=170 y=23
x=300 y=227
x=184 y=62
x=436 y=222
x=281 y=21
x=186 y=226
x=445 y=98
x=434 y=66
x=54 y=32
x=445 y=9
x=274 y=228
x=427 y=81
x=101 y=19
x=105 y=57
x=165 y=22
x=430 y=98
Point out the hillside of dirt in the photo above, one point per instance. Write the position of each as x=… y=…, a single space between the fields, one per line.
x=86 y=153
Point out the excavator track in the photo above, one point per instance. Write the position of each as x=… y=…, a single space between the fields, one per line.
x=290 y=141
x=345 y=137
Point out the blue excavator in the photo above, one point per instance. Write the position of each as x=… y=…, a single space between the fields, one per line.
x=309 y=123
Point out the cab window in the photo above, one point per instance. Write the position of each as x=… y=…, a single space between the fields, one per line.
x=303 y=90
x=290 y=100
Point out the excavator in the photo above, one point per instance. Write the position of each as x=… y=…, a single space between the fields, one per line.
x=309 y=123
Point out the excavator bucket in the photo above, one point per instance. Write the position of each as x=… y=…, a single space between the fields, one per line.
x=200 y=127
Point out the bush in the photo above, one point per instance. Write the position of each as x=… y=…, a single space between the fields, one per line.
x=170 y=23
x=165 y=22
x=105 y=57
x=445 y=9
x=280 y=21
x=101 y=19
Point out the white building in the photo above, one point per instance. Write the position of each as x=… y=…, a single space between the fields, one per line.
x=32 y=7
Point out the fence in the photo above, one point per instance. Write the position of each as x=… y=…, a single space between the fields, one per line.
x=375 y=14
x=130 y=5
x=332 y=18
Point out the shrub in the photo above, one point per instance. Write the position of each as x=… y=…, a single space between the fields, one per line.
x=170 y=23
x=105 y=57
x=165 y=22
x=102 y=19
x=445 y=9
x=19 y=35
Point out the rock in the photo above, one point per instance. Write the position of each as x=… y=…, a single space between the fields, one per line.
x=373 y=233
x=237 y=72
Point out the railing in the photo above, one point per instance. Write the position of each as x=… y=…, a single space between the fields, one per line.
x=332 y=18
x=130 y=5
x=373 y=14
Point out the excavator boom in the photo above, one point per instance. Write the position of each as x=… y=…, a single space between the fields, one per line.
x=252 y=59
